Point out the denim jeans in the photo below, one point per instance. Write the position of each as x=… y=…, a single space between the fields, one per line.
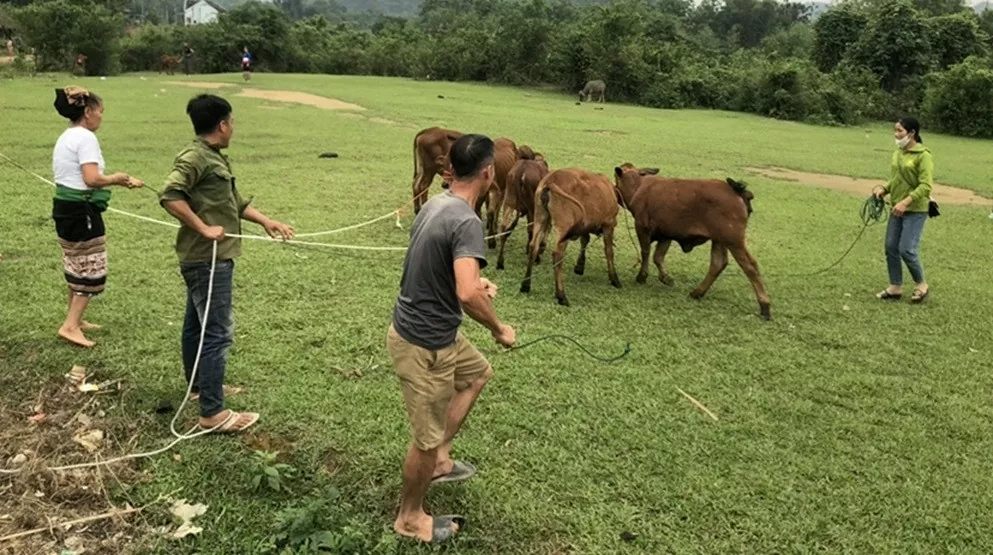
x=219 y=333
x=903 y=236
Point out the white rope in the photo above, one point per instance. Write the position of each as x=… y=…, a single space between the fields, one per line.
x=247 y=236
x=356 y=226
x=311 y=244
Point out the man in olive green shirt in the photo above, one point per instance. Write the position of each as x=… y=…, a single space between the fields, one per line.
x=201 y=193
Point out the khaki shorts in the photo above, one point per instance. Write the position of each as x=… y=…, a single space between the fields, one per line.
x=429 y=380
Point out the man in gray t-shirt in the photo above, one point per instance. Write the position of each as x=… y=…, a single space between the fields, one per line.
x=440 y=372
x=428 y=313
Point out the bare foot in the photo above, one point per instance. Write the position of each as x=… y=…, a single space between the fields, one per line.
x=230 y=422
x=420 y=527
x=75 y=337
x=87 y=326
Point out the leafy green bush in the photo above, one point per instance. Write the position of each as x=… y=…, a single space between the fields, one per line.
x=60 y=30
x=143 y=48
x=960 y=100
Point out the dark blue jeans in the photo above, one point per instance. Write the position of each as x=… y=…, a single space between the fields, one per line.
x=903 y=236
x=219 y=334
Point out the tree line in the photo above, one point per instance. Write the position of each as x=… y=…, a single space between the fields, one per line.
x=859 y=60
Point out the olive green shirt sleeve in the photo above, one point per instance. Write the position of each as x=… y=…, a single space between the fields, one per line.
x=241 y=201
x=925 y=175
x=183 y=177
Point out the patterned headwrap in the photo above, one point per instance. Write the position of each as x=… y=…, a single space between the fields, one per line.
x=70 y=102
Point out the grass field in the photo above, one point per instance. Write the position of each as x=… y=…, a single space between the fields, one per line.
x=846 y=425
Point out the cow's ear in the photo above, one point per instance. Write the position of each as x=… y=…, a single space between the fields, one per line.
x=618 y=171
x=650 y=171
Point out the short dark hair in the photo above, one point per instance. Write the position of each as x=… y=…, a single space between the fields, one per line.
x=911 y=124
x=469 y=155
x=207 y=111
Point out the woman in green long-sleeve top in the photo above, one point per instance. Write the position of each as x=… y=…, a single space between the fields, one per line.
x=909 y=189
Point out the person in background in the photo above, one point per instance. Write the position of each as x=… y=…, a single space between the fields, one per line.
x=81 y=196
x=909 y=189
x=10 y=48
x=188 y=53
x=246 y=64
x=441 y=373
x=200 y=192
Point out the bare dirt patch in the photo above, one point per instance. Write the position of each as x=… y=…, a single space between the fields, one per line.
x=863 y=187
x=200 y=84
x=61 y=425
x=301 y=98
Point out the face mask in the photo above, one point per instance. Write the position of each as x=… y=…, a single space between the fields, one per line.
x=902 y=143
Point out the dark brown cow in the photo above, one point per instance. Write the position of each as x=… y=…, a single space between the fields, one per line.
x=169 y=63
x=575 y=203
x=691 y=212
x=518 y=199
x=431 y=148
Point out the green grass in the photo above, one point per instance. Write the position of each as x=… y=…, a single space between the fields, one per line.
x=846 y=425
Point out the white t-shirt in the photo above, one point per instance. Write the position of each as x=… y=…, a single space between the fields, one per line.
x=76 y=146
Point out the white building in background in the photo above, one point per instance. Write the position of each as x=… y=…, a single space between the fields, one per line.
x=201 y=11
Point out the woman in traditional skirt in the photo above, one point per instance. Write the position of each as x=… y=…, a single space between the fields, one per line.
x=81 y=196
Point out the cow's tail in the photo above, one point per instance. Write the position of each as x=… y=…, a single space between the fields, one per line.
x=542 y=221
x=553 y=188
x=742 y=191
x=417 y=159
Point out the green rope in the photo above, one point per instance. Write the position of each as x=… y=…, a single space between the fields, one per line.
x=873 y=211
x=605 y=360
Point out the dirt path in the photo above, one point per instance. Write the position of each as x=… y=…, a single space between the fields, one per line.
x=943 y=194
x=301 y=98
x=210 y=85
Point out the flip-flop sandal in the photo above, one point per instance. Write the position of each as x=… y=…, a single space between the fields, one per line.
x=229 y=390
x=230 y=425
x=460 y=471
x=441 y=529
x=919 y=297
x=887 y=296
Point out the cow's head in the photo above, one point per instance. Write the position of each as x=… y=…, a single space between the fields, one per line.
x=524 y=152
x=627 y=179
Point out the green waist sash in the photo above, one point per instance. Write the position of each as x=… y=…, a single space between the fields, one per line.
x=99 y=197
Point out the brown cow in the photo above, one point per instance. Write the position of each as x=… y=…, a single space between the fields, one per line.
x=518 y=199
x=169 y=63
x=575 y=203
x=691 y=212
x=431 y=148
x=505 y=155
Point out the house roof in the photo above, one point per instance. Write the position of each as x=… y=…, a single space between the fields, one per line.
x=209 y=3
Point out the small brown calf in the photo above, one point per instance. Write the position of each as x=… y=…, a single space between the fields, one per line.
x=576 y=203
x=431 y=148
x=691 y=212
x=518 y=199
